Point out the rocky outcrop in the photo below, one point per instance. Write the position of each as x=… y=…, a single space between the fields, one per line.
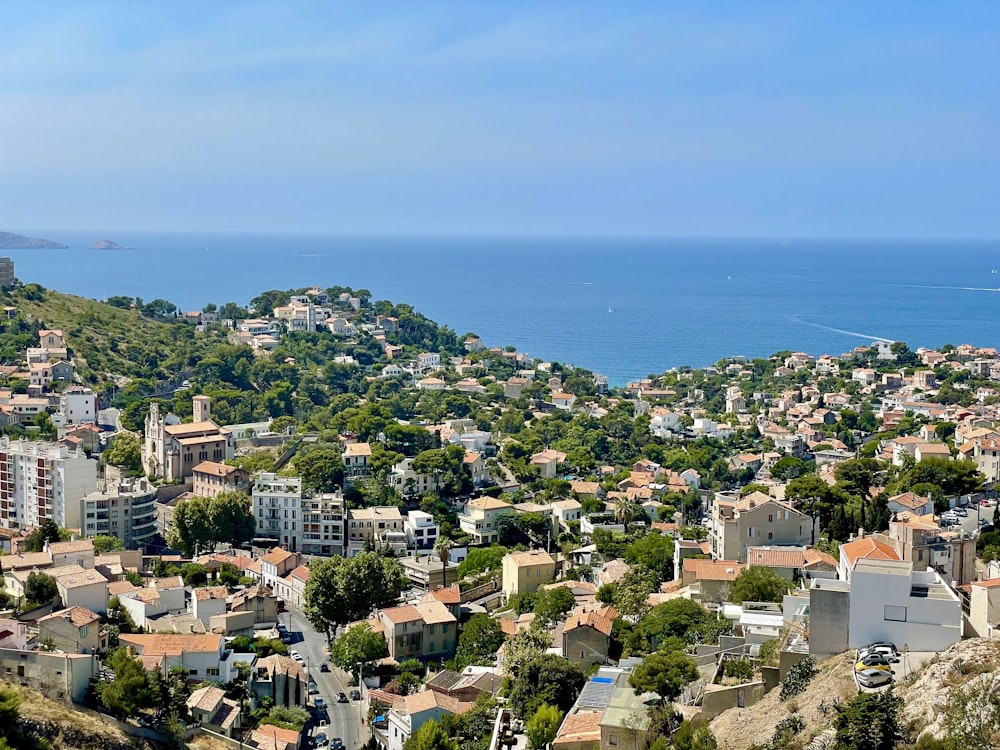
x=10 y=241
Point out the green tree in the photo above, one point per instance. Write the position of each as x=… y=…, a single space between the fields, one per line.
x=192 y=528
x=321 y=468
x=47 y=531
x=758 y=584
x=481 y=559
x=675 y=618
x=547 y=679
x=694 y=735
x=341 y=590
x=788 y=468
x=655 y=552
x=125 y=451
x=525 y=646
x=870 y=721
x=665 y=674
x=633 y=589
x=104 y=543
x=478 y=642
x=40 y=588
x=543 y=726
x=430 y=736
x=551 y=604
x=232 y=518
x=131 y=690
x=359 y=645
x=200 y=523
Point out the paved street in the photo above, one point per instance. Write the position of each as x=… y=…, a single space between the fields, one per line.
x=344 y=718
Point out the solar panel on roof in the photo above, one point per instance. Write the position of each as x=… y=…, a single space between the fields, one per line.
x=605 y=680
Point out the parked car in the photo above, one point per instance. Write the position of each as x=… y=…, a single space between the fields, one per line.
x=313 y=689
x=319 y=740
x=341 y=697
x=355 y=695
x=324 y=667
x=296 y=655
x=336 y=743
x=319 y=703
x=884 y=651
x=874 y=677
x=960 y=511
x=873 y=662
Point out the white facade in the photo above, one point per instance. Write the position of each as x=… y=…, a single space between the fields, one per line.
x=892 y=602
x=43 y=480
x=421 y=530
x=78 y=405
x=277 y=506
x=323 y=521
x=126 y=510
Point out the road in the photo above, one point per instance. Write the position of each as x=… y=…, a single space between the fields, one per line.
x=344 y=718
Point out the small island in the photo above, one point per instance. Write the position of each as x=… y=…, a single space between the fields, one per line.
x=109 y=245
x=10 y=241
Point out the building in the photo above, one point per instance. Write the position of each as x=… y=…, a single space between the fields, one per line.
x=172 y=450
x=375 y=528
x=524 y=572
x=586 y=636
x=479 y=519
x=547 y=462
x=210 y=708
x=208 y=602
x=754 y=520
x=75 y=630
x=202 y=654
x=921 y=541
x=282 y=679
x=78 y=405
x=885 y=600
x=6 y=273
x=357 y=462
x=211 y=479
x=412 y=712
x=43 y=480
x=421 y=530
x=426 y=630
x=277 y=506
x=277 y=564
x=984 y=608
x=428 y=572
x=324 y=518
x=125 y=509
x=64 y=677
x=863 y=548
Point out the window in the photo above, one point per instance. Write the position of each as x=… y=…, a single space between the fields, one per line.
x=613 y=740
x=770 y=535
x=83 y=631
x=430 y=630
x=770 y=517
x=212 y=672
x=895 y=613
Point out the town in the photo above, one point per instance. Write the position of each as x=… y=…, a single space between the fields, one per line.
x=326 y=521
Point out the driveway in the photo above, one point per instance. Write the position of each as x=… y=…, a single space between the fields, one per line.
x=344 y=718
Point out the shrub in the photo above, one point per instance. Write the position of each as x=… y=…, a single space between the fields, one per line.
x=786 y=729
x=798 y=678
x=741 y=669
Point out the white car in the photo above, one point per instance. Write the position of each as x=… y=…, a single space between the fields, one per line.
x=296 y=655
x=874 y=678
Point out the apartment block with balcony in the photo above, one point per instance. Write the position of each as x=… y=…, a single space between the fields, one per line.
x=323 y=521
x=211 y=479
x=752 y=521
x=479 y=519
x=380 y=528
x=421 y=530
x=277 y=507
x=124 y=509
x=357 y=462
x=43 y=480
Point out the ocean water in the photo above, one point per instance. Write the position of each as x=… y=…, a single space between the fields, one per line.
x=623 y=307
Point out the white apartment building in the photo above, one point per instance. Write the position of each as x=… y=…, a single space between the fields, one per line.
x=277 y=507
x=43 y=480
x=323 y=521
x=381 y=527
x=125 y=509
x=78 y=405
x=421 y=530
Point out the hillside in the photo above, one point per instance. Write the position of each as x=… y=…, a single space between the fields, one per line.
x=69 y=729
x=11 y=241
x=110 y=339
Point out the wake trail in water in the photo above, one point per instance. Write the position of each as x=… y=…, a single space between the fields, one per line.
x=954 y=288
x=869 y=337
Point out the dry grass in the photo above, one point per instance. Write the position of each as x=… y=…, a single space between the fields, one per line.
x=204 y=742
x=740 y=728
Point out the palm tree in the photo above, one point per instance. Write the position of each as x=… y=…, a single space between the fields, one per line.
x=442 y=549
x=625 y=510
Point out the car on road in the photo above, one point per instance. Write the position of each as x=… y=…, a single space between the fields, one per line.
x=319 y=740
x=336 y=743
x=960 y=511
x=296 y=655
x=313 y=689
x=286 y=639
x=874 y=678
x=873 y=662
x=355 y=695
x=319 y=703
x=324 y=667
x=341 y=697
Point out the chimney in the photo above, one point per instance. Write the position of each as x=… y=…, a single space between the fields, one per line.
x=861 y=532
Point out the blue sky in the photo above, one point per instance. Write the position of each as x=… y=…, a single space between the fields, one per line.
x=622 y=118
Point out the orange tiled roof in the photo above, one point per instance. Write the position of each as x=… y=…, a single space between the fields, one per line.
x=867 y=548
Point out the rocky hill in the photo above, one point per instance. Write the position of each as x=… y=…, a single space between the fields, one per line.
x=108 y=245
x=10 y=241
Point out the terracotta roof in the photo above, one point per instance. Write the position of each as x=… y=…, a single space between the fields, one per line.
x=211 y=592
x=270 y=737
x=358 y=449
x=571 y=504
x=991 y=583
x=171 y=644
x=434 y=612
x=910 y=500
x=775 y=557
x=277 y=556
x=487 y=503
x=427 y=700
x=601 y=620
x=191 y=428
x=227 y=714
x=206 y=698
x=72 y=579
x=80 y=545
x=815 y=558
x=280 y=664
x=168 y=582
x=531 y=557
x=398 y=615
x=713 y=570
x=448 y=595
x=301 y=573
x=867 y=548
x=78 y=616
x=115 y=588
x=215 y=469
x=582 y=727
x=26 y=561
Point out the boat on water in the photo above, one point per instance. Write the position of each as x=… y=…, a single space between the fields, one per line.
x=610 y=309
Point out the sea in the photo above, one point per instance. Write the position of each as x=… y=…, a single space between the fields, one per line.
x=624 y=307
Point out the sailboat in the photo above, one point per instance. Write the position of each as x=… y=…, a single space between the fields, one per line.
x=610 y=309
